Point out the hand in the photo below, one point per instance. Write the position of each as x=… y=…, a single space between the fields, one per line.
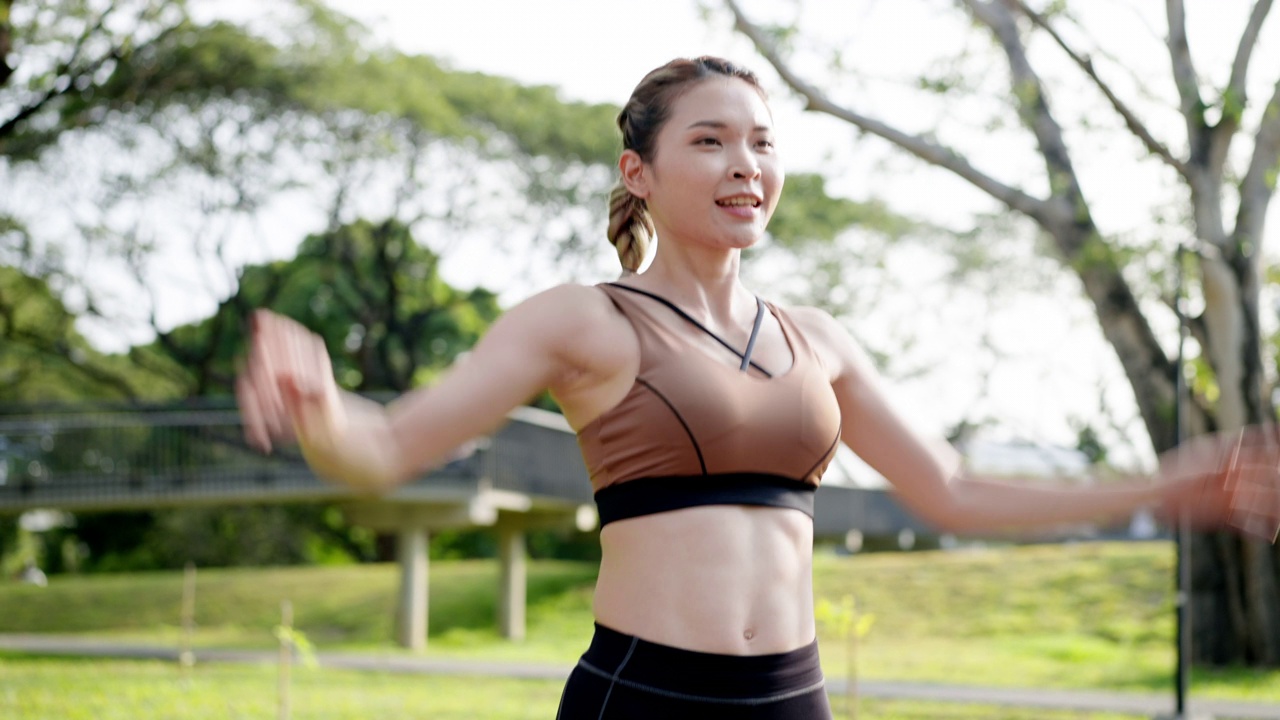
x=287 y=391
x=1227 y=480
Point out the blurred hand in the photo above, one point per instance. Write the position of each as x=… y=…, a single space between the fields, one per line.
x=1227 y=480
x=287 y=391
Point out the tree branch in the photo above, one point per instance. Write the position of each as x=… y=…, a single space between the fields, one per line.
x=65 y=68
x=55 y=92
x=929 y=151
x=1135 y=125
x=1065 y=215
x=1235 y=97
x=1184 y=76
x=1244 y=53
x=1033 y=107
x=1259 y=183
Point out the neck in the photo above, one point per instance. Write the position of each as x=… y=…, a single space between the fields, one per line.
x=703 y=281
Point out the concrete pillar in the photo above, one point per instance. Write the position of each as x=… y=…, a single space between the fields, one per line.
x=411 y=551
x=512 y=581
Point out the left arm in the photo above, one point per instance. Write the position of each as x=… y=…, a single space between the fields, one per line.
x=928 y=475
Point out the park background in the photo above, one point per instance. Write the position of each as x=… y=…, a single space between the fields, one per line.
x=165 y=180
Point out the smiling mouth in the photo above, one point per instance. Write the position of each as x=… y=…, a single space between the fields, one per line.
x=739 y=202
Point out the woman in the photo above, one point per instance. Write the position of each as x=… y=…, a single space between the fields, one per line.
x=705 y=415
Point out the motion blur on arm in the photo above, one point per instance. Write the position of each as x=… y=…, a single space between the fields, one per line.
x=287 y=392
x=1229 y=480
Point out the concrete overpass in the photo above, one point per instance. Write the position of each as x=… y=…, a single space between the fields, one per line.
x=527 y=475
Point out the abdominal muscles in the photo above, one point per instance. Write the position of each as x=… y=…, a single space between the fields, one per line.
x=725 y=579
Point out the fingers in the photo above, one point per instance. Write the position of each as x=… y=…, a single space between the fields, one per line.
x=1230 y=480
x=1252 y=483
x=287 y=378
x=1253 y=500
x=255 y=424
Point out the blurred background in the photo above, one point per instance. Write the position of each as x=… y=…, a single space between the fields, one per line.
x=1019 y=208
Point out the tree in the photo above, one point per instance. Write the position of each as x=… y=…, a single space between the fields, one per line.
x=1225 y=196
x=142 y=144
x=43 y=358
x=204 y=125
x=371 y=291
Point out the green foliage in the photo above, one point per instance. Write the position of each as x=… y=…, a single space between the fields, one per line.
x=390 y=322
x=315 y=65
x=369 y=290
x=940 y=85
x=297 y=640
x=9 y=544
x=809 y=215
x=44 y=358
x=1088 y=442
x=236 y=536
x=541 y=544
x=1232 y=106
x=842 y=619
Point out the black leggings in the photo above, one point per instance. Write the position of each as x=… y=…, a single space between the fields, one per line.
x=621 y=677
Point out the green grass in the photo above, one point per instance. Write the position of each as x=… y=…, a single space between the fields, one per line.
x=49 y=689
x=339 y=607
x=1076 y=616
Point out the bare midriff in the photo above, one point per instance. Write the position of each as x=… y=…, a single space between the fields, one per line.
x=727 y=579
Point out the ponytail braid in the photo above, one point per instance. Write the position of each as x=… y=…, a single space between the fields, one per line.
x=630 y=227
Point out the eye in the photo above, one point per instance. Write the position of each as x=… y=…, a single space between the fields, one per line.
x=707 y=141
x=764 y=144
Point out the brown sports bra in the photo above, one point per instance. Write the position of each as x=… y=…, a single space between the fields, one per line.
x=693 y=431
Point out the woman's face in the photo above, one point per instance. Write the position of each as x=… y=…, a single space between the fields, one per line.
x=714 y=178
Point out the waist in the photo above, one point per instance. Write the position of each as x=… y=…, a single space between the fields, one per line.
x=748 y=679
x=724 y=579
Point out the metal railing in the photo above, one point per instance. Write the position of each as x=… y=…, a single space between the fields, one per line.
x=100 y=457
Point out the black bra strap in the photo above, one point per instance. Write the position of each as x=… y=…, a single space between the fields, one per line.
x=651 y=495
x=755 y=331
x=746 y=357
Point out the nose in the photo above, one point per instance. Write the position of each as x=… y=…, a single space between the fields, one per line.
x=744 y=165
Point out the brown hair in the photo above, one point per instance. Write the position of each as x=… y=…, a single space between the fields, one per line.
x=630 y=225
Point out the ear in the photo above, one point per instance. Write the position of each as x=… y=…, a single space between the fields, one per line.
x=635 y=175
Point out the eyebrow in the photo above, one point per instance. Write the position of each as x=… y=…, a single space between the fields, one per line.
x=718 y=125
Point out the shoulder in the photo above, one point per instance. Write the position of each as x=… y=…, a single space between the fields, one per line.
x=574 y=318
x=821 y=330
x=813 y=322
x=567 y=305
x=835 y=346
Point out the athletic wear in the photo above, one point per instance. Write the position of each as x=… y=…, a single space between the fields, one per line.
x=622 y=677
x=695 y=431
x=692 y=431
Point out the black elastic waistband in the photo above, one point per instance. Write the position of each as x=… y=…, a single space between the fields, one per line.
x=742 y=678
x=646 y=496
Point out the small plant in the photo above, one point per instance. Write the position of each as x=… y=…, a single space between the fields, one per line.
x=297 y=640
x=292 y=640
x=843 y=621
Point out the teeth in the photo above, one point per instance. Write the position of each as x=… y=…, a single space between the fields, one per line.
x=738 y=202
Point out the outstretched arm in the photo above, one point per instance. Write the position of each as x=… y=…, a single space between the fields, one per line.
x=288 y=392
x=929 y=475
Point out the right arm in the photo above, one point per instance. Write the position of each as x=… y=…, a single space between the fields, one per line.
x=561 y=339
